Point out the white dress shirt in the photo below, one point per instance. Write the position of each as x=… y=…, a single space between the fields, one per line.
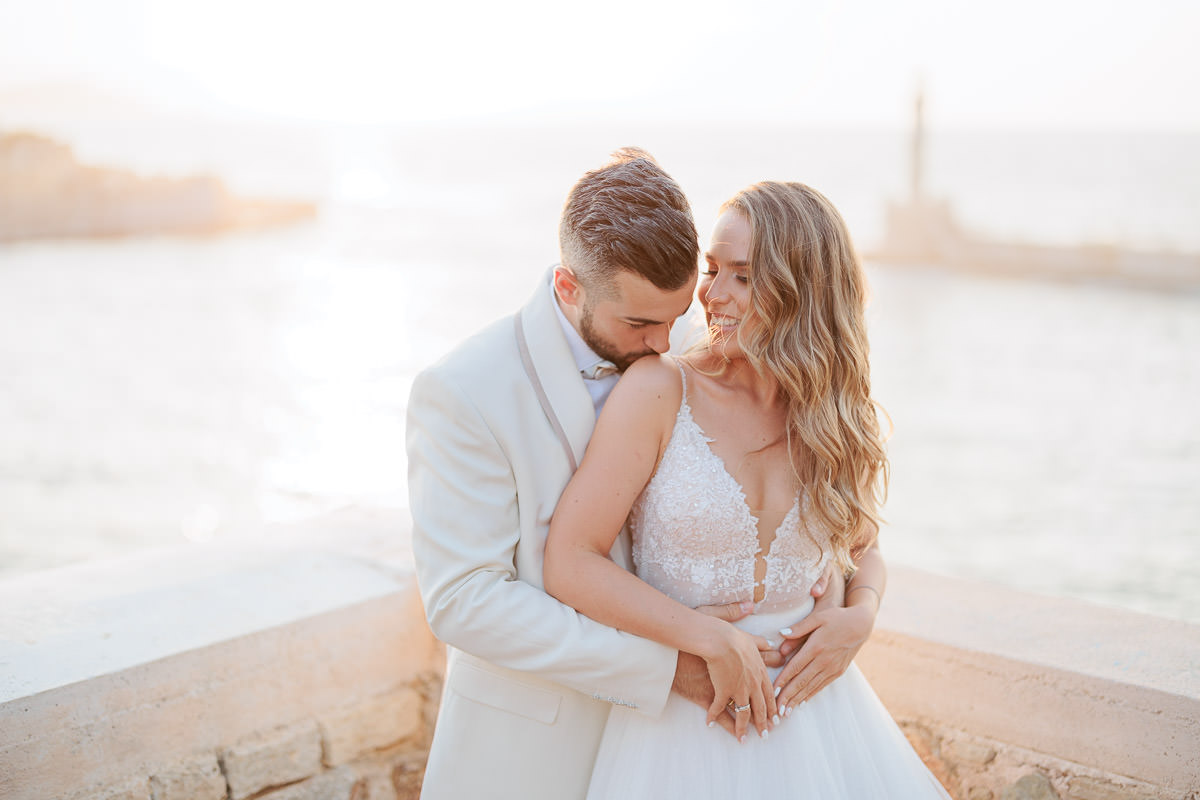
x=585 y=358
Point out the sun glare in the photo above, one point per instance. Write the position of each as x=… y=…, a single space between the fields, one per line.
x=1025 y=64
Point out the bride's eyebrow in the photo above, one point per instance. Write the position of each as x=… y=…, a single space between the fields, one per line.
x=709 y=257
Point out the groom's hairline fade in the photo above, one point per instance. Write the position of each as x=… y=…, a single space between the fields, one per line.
x=628 y=214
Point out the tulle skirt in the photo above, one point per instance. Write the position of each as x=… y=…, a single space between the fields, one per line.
x=840 y=745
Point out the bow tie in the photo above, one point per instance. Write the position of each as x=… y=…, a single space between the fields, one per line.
x=601 y=369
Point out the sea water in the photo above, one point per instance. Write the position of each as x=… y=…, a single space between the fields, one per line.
x=159 y=390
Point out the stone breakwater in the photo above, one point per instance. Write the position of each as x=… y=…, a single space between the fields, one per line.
x=46 y=193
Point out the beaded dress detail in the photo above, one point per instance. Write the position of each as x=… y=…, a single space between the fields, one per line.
x=695 y=539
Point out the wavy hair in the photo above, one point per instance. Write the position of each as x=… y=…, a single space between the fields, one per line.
x=807 y=294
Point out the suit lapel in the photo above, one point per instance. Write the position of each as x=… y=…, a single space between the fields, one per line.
x=567 y=398
x=556 y=369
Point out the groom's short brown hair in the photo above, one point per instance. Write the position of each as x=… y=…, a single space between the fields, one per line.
x=628 y=214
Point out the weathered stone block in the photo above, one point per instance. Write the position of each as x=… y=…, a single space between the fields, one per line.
x=136 y=789
x=274 y=758
x=407 y=777
x=965 y=751
x=372 y=725
x=926 y=743
x=197 y=778
x=376 y=779
x=1034 y=786
x=338 y=784
x=1084 y=788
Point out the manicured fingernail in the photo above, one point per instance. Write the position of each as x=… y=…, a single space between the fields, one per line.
x=778 y=689
x=786 y=631
x=711 y=723
x=772 y=643
x=742 y=739
x=775 y=719
x=787 y=712
x=764 y=733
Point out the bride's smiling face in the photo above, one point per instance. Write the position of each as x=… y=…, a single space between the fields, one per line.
x=724 y=288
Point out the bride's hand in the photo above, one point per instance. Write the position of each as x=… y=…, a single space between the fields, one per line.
x=739 y=678
x=835 y=636
x=770 y=651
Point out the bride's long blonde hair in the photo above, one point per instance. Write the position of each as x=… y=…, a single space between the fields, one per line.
x=807 y=294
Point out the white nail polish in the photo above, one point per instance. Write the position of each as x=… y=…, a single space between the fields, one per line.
x=711 y=723
x=786 y=631
x=778 y=689
x=787 y=712
x=772 y=643
x=775 y=719
x=764 y=733
x=742 y=739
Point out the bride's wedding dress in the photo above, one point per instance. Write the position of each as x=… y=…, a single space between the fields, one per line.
x=696 y=540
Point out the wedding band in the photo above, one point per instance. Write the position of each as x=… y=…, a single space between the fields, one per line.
x=739 y=709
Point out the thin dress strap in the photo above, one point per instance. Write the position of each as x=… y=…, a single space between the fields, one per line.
x=683 y=377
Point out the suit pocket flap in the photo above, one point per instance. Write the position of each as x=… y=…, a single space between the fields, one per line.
x=504 y=693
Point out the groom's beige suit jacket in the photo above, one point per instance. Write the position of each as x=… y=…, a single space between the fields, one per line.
x=493 y=436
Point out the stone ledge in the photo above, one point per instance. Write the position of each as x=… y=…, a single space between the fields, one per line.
x=208 y=647
x=322 y=649
x=1112 y=692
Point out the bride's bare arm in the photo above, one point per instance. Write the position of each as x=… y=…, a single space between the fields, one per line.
x=620 y=460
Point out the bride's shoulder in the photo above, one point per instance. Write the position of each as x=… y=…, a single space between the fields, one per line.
x=652 y=379
x=657 y=371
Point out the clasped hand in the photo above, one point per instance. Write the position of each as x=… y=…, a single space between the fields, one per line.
x=814 y=652
x=741 y=686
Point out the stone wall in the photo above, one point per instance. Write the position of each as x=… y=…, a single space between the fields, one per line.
x=275 y=674
x=219 y=674
x=373 y=751
x=1013 y=696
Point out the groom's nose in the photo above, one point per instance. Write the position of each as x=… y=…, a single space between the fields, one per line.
x=658 y=338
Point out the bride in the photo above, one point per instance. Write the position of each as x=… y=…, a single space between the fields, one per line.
x=744 y=467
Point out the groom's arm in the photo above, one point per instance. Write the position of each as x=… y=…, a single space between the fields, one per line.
x=466 y=531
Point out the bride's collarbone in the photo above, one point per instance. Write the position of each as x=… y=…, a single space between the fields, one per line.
x=742 y=432
x=736 y=414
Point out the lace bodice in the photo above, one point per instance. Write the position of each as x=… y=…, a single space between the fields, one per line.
x=695 y=539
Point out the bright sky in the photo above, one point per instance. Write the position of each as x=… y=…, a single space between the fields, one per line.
x=1022 y=63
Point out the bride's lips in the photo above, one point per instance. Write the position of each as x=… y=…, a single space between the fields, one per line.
x=723 y=323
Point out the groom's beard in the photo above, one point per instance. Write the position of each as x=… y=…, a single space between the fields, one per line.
x=603 y=347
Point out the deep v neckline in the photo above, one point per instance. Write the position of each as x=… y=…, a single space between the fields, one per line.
x=745 y=512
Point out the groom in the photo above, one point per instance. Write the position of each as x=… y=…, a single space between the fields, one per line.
x=495 y=430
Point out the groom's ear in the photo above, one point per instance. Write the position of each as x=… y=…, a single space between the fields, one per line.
x=567 y=287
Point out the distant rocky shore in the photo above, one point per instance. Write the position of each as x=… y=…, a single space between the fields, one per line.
x=46 y=193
